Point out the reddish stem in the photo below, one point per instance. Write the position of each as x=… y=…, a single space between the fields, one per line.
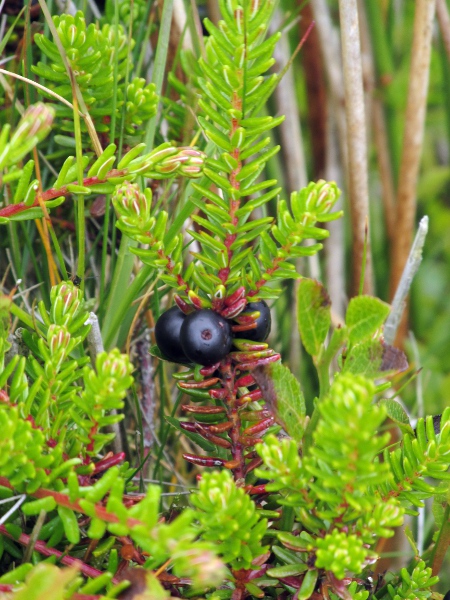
x=63 y=500
x=52 y=193
x=45 y=550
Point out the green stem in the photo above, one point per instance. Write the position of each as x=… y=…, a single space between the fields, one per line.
x=112 y=131
x=25 y=318
x=81 y=228
x=160 y=64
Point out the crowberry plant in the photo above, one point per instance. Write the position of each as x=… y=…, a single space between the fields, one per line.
x=288 y=505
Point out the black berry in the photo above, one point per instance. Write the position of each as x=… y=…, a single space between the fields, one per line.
x=167 y=334
x=205 y=337
x=263 y=322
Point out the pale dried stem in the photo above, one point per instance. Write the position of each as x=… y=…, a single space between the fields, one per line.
x=292 y=150
x=444 y=23
x=412 y=138
x=294 y=163
x=376 y=118
x=330 y=46
x=384 y=165
x=336 y=136
x=335 y=244
x=95 y=345
x=356 y=143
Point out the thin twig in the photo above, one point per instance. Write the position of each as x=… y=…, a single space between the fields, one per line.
x=148 y=392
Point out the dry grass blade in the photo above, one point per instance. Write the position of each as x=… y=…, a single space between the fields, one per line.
x=444 y=23
x=412 y=140
x=356 y=142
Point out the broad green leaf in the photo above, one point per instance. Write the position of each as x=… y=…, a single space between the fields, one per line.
x=374 y=358
x=313 y=314
x=397 y=413
x=283 y=395
x=365 y=314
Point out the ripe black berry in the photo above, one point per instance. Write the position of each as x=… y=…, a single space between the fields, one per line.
x=263 y=322
x=205 y=337
x=167 y=334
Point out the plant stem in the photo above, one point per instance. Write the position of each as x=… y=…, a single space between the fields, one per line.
x=442 y=543
x=358 y=186
x=43 y=549
x=160 y=64
x=412 y=140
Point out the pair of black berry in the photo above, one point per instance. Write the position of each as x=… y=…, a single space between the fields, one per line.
x=203 y=336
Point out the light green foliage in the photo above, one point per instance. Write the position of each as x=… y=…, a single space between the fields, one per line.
x=427 y=455
x=229 y=517
x=23 y=453
x=91 y=53
x=141 y=103
x=33 y=127
x=44 y=388
x=333 y=487
x=360 y=341
x=365 y=315
x=104 y=391
x=52 y=427
x=236 y=251
x=127 y=11
x=414 y=585
x=163 y=162
x=46 y=579
x=339 y=552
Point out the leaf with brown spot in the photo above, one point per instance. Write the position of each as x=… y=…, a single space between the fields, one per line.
x=313 y=314
x=374 y=358
x=283 y=396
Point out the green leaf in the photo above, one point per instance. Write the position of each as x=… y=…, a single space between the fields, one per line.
x=287 y=570
x=374 y=357
x=70 y=524
x=195 y=437
x=397 y=413
x=283 y=395
x=313 y=314
x=308 y=585
x=365 y=315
